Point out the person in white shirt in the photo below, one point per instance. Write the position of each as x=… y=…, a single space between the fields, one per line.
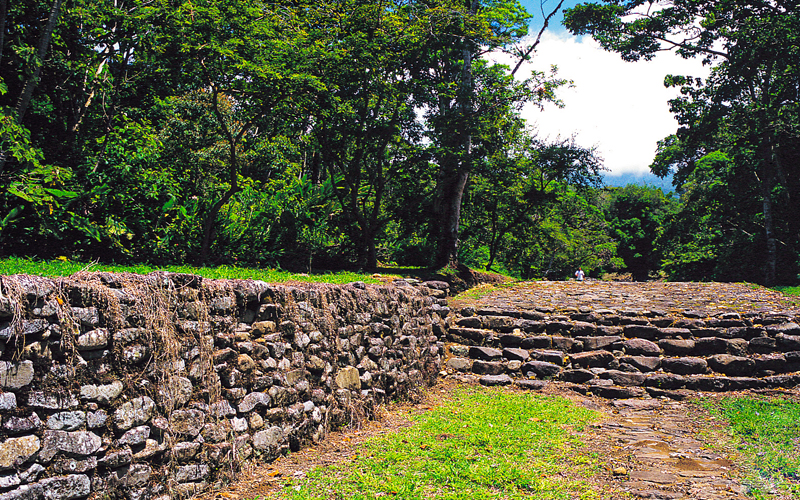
x=579 y=274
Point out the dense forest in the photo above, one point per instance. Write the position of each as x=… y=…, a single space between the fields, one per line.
x=321 y=134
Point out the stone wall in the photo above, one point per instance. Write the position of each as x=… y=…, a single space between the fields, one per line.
x=139 y=387
x=626 y=353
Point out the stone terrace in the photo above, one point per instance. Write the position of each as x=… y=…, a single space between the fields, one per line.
x=619 y=339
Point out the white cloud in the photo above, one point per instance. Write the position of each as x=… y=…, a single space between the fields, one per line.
x=619 y=107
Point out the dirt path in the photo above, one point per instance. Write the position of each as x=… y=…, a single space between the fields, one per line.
x=650 y=449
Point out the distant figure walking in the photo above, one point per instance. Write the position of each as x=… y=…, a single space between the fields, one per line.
x=579 y=274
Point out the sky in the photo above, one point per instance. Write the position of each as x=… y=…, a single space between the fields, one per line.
x=619 y=107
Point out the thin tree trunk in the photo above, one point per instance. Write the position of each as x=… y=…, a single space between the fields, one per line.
x=233 y=180
x=765 y=183
x=3 y=12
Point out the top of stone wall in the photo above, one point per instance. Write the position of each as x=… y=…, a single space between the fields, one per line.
x=698 y=300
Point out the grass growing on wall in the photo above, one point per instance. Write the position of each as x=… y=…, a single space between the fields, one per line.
x=483 y=443
x=766 y=433
x=789 y=290
x=65 y=267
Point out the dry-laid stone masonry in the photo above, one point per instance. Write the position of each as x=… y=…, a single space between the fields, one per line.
x=624 y=340
x=142 y=387
x=158 y=386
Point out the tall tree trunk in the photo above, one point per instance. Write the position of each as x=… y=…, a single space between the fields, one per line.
x=766 y=183
x=454 y=180
x=32 y=81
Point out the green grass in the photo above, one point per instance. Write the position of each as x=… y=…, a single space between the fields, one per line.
x=767 y=436
x=480 y=444
x=64 y=267
x=789 y=290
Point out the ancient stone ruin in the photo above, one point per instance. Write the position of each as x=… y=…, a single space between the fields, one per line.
x=159 y=386
x=141 y=387
x=562 y=332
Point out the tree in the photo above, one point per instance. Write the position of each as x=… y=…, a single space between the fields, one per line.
x=521 y=181
x=457 y=88
x=635 y=215
x=251 y=62
x=748 y=109
x=364 y=123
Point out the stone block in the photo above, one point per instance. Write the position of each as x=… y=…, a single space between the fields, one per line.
x=675 y=333
x=641 y=332
x=607 y=342
x=348 y=378
x=577 y=376
x=643 y=363
x=584 y=329
x=763 y=345
x=591 y=359
x=665 y=381
x=685 y=365
x=710 y=345
x=493 y=380
x=459 y=364
x=66 y=487
x=623 y=378
x=531 y=325
x=775 y=363
x=531 y=384
x=485 y=353
x=790 y=328
x=95 y=339
x=137 y=411
x=788 y=342
x=539 y=369
x=567 y=344
x=512 y=354
x=16 y=375
x=510 y=340
x=78 y=443
x=487 y=367
x=731 y=365
x=641 y=347
x=550 y=356
x=18 y=450
x=468 y=335
x=540 y=342
x=784 y=381
x=612 y=392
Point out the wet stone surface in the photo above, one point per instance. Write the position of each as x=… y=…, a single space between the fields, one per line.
x=658 y=455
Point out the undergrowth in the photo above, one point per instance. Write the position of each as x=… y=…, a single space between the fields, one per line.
x=65 y=267
x=789 y=290
x=483 y=443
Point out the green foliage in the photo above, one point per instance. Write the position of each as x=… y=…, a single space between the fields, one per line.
x=65 y=267
x=636 y=215
x=740 y=128
x=484 y=443
x=789 y=290
x=766 y=433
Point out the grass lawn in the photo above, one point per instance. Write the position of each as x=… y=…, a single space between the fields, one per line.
x=481 y=443
x=65 y=267
x=766 y=434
